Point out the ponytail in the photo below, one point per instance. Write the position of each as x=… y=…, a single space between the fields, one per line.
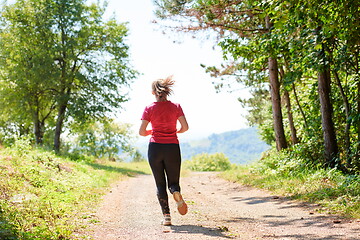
x=162 y=87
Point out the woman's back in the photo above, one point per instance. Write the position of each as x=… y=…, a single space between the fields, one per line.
x=163 y=117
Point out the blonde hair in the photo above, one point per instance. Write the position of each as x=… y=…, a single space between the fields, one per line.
x=162 y=87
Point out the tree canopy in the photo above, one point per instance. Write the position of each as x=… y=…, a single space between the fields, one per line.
x=300 y=60
x=60 y=62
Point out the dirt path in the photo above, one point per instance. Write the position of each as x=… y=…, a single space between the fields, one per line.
x=218 y=209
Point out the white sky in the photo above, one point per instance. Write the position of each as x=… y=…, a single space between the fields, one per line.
x=156 y=56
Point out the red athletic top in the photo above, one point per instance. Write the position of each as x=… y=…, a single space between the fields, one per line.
x=163 y=117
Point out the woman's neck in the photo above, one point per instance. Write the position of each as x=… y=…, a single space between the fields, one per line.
x=158 y=99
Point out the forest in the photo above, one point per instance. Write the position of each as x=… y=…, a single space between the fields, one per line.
x=300 y=60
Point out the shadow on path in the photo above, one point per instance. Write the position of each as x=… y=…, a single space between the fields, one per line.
x=309 y=236
x=320 y=222
x=332 y=227
x=200 y=230
x=126 y=171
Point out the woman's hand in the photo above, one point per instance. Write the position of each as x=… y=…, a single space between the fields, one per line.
x=148 y=132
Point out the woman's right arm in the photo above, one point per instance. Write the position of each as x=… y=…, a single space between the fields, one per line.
x=142 y=130
x=184 y=125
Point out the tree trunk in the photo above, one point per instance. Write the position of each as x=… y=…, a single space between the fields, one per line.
x=60 y=120
x=276 y=105
x=357 y=158
x=331 y=147
x=275 y=99
x=38 y=128
x=294 y=138
x=331 y=150
x=348 y=123
x=300 y=108
x=58 y=128
x=297 y=103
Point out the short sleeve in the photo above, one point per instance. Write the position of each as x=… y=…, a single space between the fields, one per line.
x=180 y=111
x=146 y=115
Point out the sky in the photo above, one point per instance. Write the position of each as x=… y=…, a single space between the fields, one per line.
x=156 y=55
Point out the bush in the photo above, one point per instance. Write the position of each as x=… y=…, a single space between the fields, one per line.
x=291 y=162
x=208 y=162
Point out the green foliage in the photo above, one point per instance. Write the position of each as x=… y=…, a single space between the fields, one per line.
x=60 y=61
x=45 y=196
x=105 y=138
x=22 y=146
x=306 y=38
x=208 y=162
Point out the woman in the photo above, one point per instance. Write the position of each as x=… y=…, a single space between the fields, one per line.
x=164 y=151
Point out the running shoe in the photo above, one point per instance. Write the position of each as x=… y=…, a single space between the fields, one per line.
x=181 y=205
x=167 y=220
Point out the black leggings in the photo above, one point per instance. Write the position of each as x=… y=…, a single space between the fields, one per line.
x=165 y=163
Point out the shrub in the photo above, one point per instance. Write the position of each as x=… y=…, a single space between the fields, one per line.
x=208 y=162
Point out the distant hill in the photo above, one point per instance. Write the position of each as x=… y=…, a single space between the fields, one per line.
x=241 y=146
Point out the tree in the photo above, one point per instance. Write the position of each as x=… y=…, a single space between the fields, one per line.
x=233 y=20
x=324 y=80
x=79 y=62
x=92 y=58
x=27 y=68
x=320 y=27
x=275 y=95
x=294 y=138
x=103 y=138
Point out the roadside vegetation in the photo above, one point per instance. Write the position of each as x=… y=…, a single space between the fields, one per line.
x=208 y=162
x=334 y=191
x=47 y=196
x=288 y=174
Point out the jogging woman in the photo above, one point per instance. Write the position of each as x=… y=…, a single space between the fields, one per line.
x=164 y=151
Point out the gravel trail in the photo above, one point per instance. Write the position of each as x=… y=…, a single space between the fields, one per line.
x=218 y=209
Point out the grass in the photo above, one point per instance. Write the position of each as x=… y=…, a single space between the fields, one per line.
x=334 y=191
x=45 y=196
